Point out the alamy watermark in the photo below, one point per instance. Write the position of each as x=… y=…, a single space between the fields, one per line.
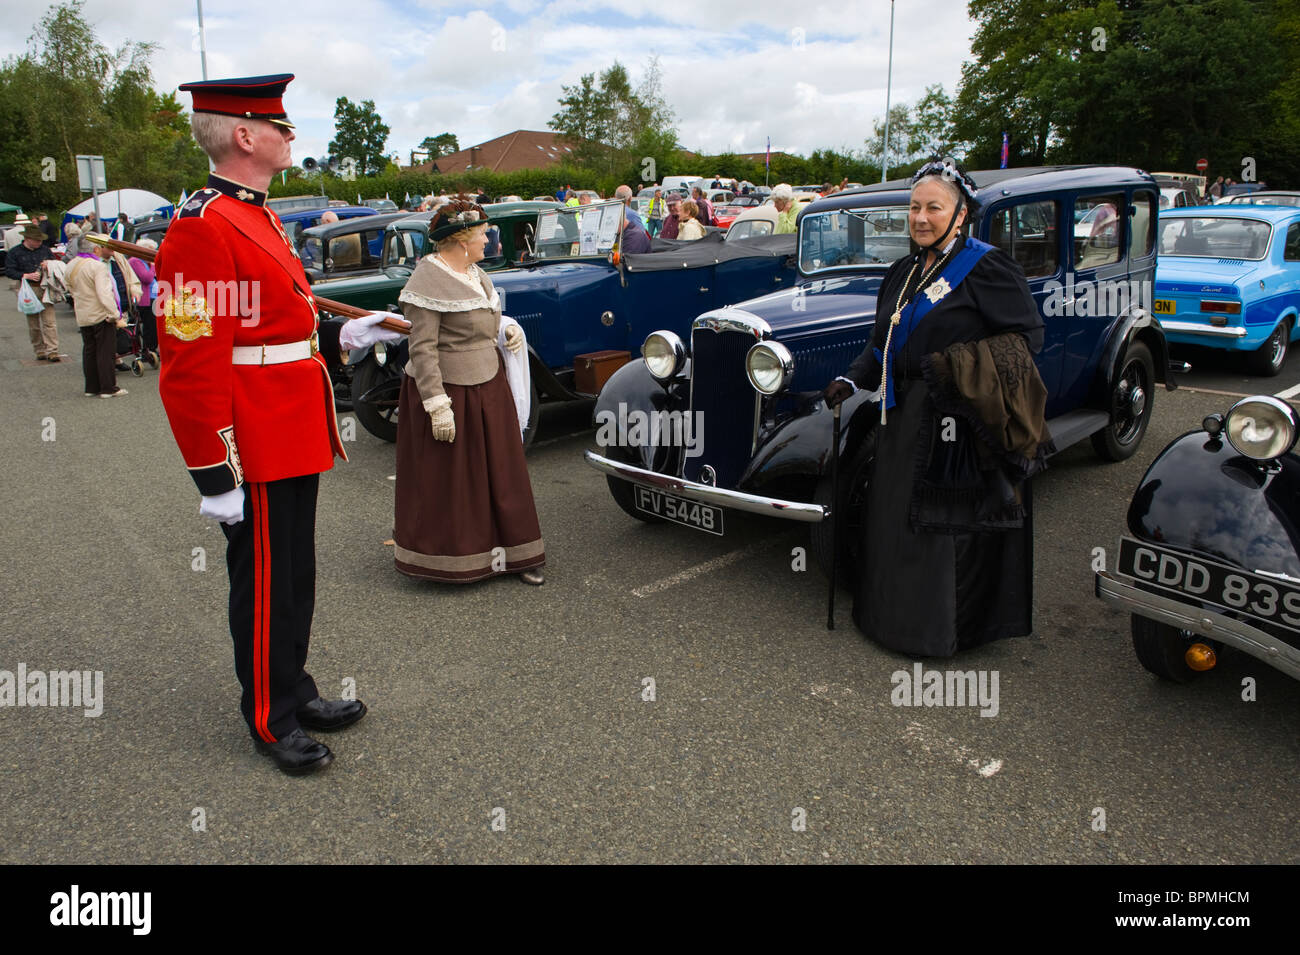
x=71 y=688
x=638 y=429
x=1102 y=298
x=924 y=687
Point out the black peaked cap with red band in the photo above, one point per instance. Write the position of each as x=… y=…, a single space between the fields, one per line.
x=249 y=97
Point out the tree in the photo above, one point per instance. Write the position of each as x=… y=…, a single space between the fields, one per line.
x=613 y=126
x=68 y=94
x=444 y=144
x=360 y=135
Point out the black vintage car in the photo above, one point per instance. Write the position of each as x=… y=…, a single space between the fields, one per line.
x=1212 y=554
x=734 y=418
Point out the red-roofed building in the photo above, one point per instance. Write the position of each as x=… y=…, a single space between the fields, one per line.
x=522 y=149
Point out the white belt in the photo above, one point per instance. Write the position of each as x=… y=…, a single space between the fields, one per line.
x=274 y=354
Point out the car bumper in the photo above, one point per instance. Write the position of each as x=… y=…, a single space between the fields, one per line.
x=1207 y=623
x=707 y=494
x=1177 y=330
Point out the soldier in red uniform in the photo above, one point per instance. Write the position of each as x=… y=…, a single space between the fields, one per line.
x=250 y=404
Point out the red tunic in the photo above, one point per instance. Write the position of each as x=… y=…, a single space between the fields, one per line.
x=229 y=276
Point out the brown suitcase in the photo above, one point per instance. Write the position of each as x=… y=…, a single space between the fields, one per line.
x=592 y=370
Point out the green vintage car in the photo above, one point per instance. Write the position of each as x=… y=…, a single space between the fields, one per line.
x=406 y=241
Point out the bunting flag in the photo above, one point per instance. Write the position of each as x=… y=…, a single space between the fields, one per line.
x=1006 y=150
x=184 y=198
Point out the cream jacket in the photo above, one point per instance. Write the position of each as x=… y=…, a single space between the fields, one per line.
x=93 y=291
x=454 y=323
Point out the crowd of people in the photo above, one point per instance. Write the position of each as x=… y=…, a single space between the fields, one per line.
x=111 y=295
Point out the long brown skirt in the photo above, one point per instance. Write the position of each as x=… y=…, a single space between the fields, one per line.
x=464 y=509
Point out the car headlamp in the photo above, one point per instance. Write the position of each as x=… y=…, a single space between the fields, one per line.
x=1262 y=427
x=769 y=366
x=664 y=354
x=380 y=351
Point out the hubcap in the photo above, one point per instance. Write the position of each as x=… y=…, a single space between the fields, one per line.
x=1137 y=401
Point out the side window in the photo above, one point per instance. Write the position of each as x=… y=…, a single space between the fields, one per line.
x=1292 y=252
x=1027 y=233
x=1142 y=239
x=1097 y=230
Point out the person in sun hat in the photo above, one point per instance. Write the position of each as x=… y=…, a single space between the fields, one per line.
x=251 y=406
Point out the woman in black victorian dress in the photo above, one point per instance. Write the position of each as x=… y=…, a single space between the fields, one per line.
x=947 y=551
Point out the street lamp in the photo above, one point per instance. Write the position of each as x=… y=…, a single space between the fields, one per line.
x=889 y=81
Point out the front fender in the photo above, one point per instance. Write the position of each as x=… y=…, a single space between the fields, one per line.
x=630 y=395
x=1201 y=496
x=798 y=449
x=1135 y=325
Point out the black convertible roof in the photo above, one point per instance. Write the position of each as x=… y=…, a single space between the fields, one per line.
x=671 y=254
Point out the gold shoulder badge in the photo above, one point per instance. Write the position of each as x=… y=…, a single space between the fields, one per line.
x=938 y=290
x=187 y=317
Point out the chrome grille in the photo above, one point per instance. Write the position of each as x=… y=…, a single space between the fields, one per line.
x=723 y=402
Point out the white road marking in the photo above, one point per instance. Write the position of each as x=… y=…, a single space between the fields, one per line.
x=692 y=572
x=952 y=749
x=1289 y=393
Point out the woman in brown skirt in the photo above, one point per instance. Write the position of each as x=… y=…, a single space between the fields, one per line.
x=464 y=507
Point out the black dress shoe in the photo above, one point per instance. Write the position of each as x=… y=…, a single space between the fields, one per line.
x=297 y=753
x=329 y=715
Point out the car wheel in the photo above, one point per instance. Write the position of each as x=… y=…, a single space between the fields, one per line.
x=853 y=492
x=380 y=420
x=622 y=493
x=1268 y=358
x=1160 y=648
x=1132 y=398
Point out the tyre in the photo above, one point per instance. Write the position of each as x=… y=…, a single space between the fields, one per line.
x=1160 y=648
x=1267 y=360
x=1132 y=399
x=379 y=418
x=622 y=493
x=853 y=492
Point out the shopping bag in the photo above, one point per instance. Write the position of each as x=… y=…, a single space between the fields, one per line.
x=28 y=303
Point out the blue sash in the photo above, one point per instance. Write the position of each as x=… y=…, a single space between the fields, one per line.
x=914 y=311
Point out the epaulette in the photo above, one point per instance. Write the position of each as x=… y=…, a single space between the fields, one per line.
x=196 y=203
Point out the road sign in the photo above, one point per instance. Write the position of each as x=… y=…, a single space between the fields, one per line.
x=1202 y=165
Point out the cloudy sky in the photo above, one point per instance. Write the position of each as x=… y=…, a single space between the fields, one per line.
x=734 y=71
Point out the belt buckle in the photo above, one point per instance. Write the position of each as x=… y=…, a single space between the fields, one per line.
x=262 y=363
x=314 y=342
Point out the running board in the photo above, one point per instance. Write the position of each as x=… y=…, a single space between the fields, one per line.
x=1072 y=427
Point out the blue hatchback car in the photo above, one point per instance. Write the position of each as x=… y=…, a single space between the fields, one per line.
x=1229 y=277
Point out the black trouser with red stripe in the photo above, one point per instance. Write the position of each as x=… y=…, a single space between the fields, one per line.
x=271 y=559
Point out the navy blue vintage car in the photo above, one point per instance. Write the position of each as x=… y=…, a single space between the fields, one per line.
x=733 y=417
x=576 y=294
x=1212 y=555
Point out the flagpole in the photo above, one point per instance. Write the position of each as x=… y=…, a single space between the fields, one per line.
x=889 y=82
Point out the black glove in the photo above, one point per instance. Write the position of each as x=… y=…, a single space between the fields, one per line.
x=836 y=392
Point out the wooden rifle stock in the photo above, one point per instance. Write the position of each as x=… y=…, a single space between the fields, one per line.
x=329 y=305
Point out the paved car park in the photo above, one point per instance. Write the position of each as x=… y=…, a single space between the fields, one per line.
x=509 y=723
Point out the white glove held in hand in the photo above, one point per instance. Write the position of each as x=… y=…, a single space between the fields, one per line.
x=228 y=508
x=365 y=331
x=514 y=338
x=441 y=418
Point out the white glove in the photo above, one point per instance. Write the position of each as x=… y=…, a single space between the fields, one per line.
x=441 y=418
x=365 y=331
x=514 y=338
x=228 y=508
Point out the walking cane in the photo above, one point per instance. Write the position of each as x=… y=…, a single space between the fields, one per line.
x=835 y=517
